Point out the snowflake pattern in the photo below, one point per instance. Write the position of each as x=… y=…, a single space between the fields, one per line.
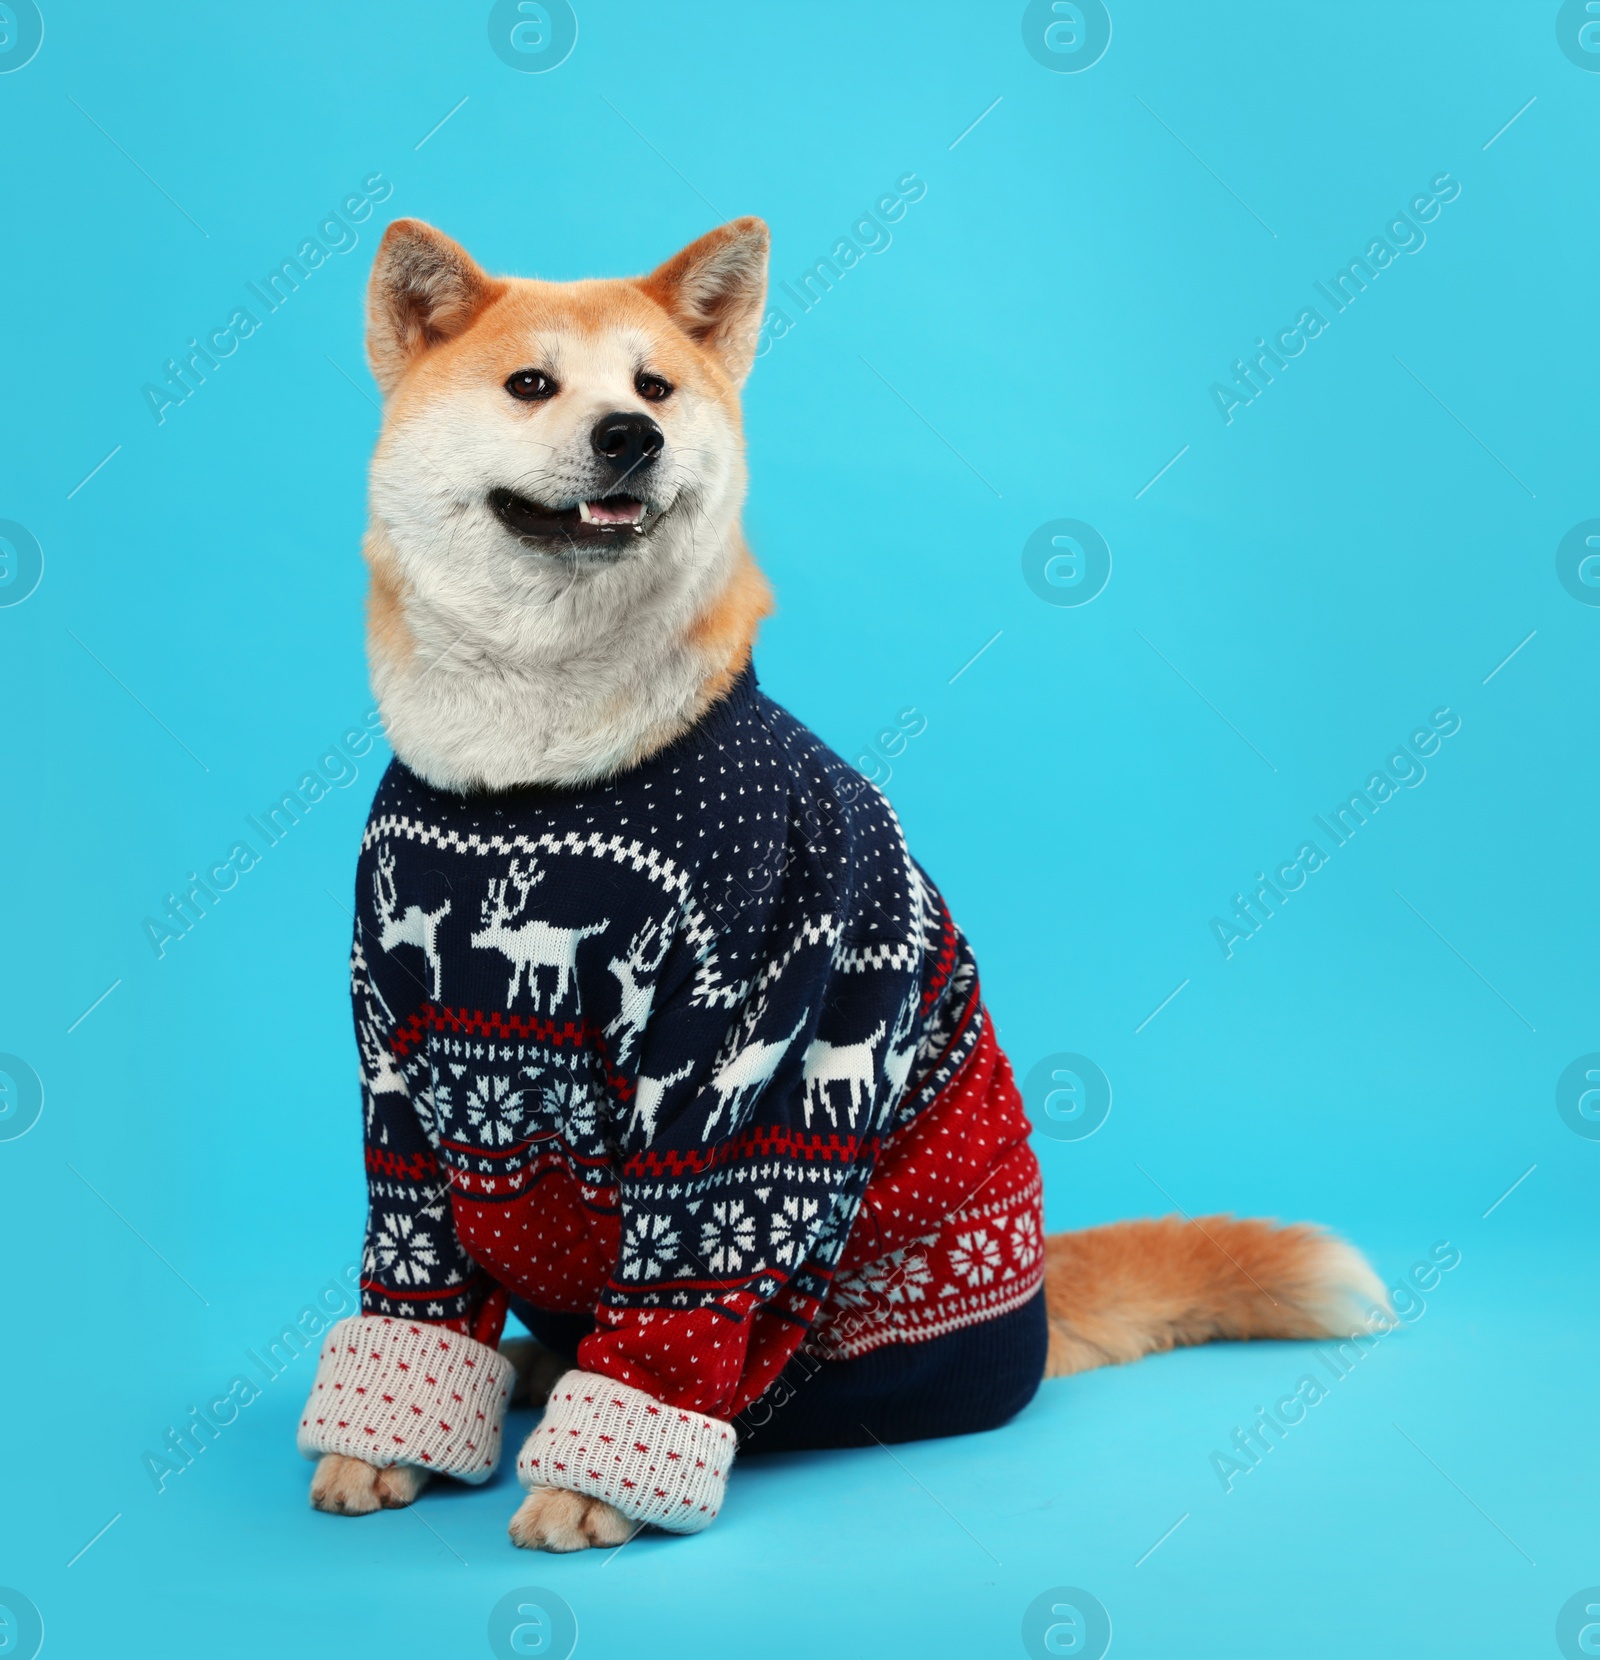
x=1026 y=1242
x=434 y=1091
x=791 y=1228
x=976 y=1256
x=727 y=1237
x=495 y=1109
x=572 y=1105
x=901 y=1277
x=403 y=1249
x=909 y=1281
x=649 y=1245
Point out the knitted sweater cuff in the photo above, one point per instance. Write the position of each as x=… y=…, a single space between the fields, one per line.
x=655 y=1463
x=400 y=1392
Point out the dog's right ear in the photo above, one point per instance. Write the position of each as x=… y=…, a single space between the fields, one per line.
x=714 y=290
x=424 y=290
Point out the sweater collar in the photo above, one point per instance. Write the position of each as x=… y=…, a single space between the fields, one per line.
x=715 y=722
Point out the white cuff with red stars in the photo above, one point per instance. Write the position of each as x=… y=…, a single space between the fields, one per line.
x=400 y=1392
x=655 y=1463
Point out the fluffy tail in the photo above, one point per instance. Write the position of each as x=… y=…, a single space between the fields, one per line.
x=1136 y=1288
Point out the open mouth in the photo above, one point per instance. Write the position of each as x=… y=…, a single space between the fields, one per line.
x=614 y=520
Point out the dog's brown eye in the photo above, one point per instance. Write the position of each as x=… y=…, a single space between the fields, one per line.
x=531 y=384
x=652 y=388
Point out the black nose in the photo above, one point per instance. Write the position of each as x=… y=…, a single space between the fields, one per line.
x=627 y=440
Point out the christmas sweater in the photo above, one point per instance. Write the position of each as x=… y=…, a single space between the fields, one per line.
x=697 y=1051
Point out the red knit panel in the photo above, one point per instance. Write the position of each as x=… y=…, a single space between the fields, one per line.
x=692 y=1358
x=545 y=1245
x=973 y=1134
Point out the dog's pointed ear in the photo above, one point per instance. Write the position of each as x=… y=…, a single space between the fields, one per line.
x=424 y=290
x=714 y=290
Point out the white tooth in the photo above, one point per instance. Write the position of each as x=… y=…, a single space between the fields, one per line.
x=584 y=513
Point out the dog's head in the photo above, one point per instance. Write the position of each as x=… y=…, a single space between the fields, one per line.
x=557 y=455
x=559 y=583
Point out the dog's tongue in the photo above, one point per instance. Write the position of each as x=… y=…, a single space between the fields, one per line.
x=619 y=510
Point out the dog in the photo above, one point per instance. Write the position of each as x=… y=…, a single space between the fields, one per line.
x=667 y=1044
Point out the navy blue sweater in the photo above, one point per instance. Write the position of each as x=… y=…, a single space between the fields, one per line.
x=696 y=1053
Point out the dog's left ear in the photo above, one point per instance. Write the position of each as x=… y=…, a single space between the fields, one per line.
x=714 y=290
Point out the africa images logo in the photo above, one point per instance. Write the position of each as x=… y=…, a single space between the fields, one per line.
x=532 y=36
x=1578 y=36
x=1066 y=36
x=1066 y=562
x=21 y=35
x=21 y=1624
x=1067 y=1096
x=1066 y=1620
x=1577 y=1098
x=21 y=566
x=1404 y=769
x=1403 y=234
x=184 y=375
x=21 y=1102
x=1577 y=559
x=532 y=1620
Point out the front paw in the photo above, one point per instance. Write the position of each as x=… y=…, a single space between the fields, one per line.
x=352 y=1487
x=551 y=1518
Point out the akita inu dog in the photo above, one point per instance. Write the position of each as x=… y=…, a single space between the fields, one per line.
x=667 y=1044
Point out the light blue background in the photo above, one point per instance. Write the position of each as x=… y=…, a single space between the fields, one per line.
x=1359 y=547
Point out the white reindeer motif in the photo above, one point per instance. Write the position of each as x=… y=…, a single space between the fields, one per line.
x=647 y=1098
x=897 y=1060
x=748 y=1069
x=849 y=1064
x=636 y=973
x=530 y=944
x=379 y=1069
x=413 y=926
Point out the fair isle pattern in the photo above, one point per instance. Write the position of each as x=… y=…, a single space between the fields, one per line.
x=989 y=1256
x=689 y=1051
x=396 y=1392
x=697 y=929
x=654 y=1463
x=983 y=1259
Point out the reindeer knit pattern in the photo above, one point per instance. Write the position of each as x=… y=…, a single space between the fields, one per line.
x=696 y=1051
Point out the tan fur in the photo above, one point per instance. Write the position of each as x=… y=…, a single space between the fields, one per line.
x=726 y=630
x=724 y=637
x=552 y=1519
x=387 y=634
x=1135 y=1288
x=352 y=1487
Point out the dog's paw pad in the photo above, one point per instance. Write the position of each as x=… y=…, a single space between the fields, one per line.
x=552 y=1519
x=351 y=1487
